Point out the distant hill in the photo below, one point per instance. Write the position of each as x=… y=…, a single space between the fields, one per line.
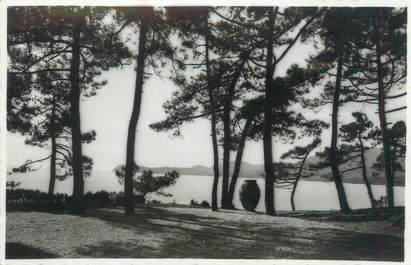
x=195 y=170
x=355 y=176
x=253 y=171
x=247 y=170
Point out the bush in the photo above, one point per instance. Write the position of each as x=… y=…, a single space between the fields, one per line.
x=35 y=200
x=99 y=199
x=154 y=202
x=29 y=200
x=139 y=199
x=204 y=203
x=193 y=202
x=146 y=182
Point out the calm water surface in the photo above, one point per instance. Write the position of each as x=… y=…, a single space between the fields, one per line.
x=309 y=195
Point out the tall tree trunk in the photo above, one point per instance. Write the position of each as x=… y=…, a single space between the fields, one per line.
x=226 y=150
x=393 y=158
x=53 y=150
x=237 y=163
x=78 y=187
x=293 y=192
x=210 y=88
x=267 y=130
x=131 y=134
x=334 y=132
x=300 y=170
x=226 y=203
x=364 y=175
x=389 y=186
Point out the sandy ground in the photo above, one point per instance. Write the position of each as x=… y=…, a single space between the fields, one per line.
x=175 y=232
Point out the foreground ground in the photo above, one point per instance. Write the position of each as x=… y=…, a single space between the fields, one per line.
x=180 y=232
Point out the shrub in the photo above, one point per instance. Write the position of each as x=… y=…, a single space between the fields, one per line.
x=35 y=200
x=204 y=203
x=99 y=199
x=28 y=200
x=146 y=183
x=154 y=202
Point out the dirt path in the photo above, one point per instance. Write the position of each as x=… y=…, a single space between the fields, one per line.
x=199 y=233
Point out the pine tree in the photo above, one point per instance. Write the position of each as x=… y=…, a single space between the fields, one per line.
x=398 y=144
x=295 y=172
x=37 y=104
x=43 y=118
x=154 y=48
x=77 y=43
x=274 y=26
x=131 y=134
x=338 y=32
x=358 y=137
x=200 y=94
x=379 y=70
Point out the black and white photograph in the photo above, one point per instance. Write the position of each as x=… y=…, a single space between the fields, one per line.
x=205 y=132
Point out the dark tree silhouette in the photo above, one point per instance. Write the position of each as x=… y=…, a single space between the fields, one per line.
x=76 y=43
x=382 y=87
x=378 y=71
x=358 y=137
x=274 y=29
x=248 y=113
x=44 y=124
x=154 y=48
x=146 y=183
x=338 y=32
x=222 y=73
x=286 y=125
x=267 y=140
x=398 y=133
x=211 y=89
x=398 y=144
x=296 y=172
x=233 y=70
x=131 y=133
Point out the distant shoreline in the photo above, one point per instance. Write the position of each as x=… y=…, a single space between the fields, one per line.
x=96 y=173
x=308 y=180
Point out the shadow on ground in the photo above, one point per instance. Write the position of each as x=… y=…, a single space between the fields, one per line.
x=190 y=236
x=20 y=251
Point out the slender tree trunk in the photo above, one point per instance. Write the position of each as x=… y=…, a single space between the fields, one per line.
x=226 y=203
x=334 y=132
x=226 y=151
x=78 y=187
x=381 y=111
x=210 y=89
x=237 y=163
x=267 y=130
x=300 y=170
x=53 y=155
x=132 y=127
x=293 y=193
x=53 y=151
x=393 y=158
x=364 y=174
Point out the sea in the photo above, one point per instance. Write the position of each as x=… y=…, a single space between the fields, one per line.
x=310 y=195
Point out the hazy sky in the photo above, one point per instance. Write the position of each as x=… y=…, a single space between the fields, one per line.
x=109 y=111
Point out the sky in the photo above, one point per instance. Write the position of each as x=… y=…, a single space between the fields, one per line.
x=108 y=113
